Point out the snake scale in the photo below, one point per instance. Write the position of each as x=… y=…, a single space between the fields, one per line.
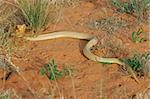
x=87 y=49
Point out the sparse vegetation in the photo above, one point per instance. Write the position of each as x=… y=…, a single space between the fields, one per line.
x=5 y=95
x=109 y=25
x=64 y=3
x=7 y=26
x=137 y=8
x=51 y=71
x=35 y=13
x=9 y=94
x=6 y=42
x=138 y=36
x=139 y=63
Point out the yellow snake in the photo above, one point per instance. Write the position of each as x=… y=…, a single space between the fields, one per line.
x=87 y=49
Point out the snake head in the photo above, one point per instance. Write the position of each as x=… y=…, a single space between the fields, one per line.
x=20 y=30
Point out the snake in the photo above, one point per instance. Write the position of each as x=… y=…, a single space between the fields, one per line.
x=92 y=40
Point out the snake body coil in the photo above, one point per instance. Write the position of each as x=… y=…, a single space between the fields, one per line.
x=87 y=49
x=87 y=52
